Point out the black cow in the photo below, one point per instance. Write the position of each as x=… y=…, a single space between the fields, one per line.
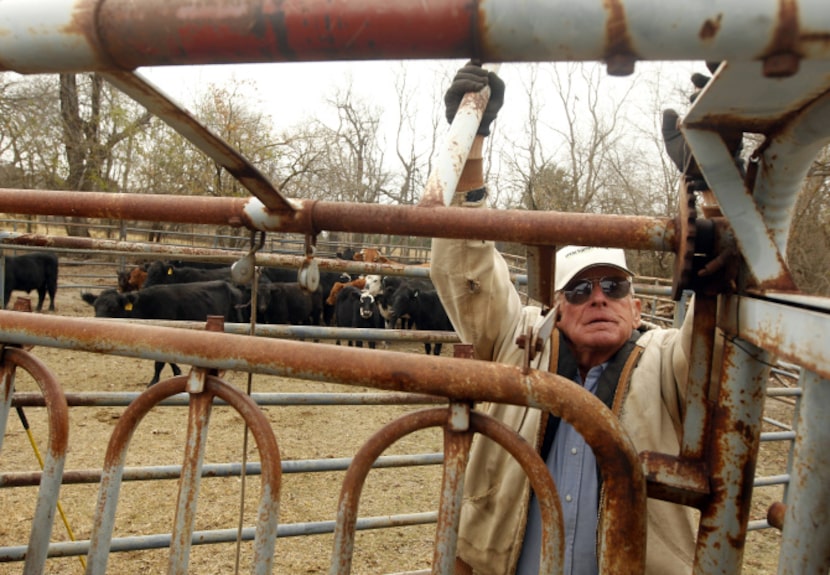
x=424 y=309
x=160 y=272
x=197 y=264
x=346 y=254
x=35 y=271
x=327 y=280
x=357 y=309
x=288 y=303
x=185 y=302
x=386 y=298
x=280 y=274
x=247 y=297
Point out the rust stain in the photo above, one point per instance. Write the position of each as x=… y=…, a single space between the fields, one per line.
x=85 y=23
x=711 y=27
x=782 y=57
x=776 y=514
x=619 y=56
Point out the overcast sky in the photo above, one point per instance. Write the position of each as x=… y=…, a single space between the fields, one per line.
x=290 y=92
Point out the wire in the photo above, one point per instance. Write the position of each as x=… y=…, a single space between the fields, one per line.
x=32 y=441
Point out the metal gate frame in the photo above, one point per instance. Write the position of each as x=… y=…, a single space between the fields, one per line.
x=775 y=81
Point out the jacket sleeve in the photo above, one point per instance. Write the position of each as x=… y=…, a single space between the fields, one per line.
x=473 y=282
x=680 y=358
x=662 y=371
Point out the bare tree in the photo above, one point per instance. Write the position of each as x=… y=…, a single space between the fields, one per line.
x=28 y=130
x=92 y=128
x=809 y=242
x=416 y=135
x=536 y=183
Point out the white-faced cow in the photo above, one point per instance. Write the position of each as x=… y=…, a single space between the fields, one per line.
x=374 y=284
x=357 y=309
x=193 y=301
x=35 y=271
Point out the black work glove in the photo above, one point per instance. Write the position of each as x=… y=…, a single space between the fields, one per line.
x=700 y=80
x=472 y=78
x=676 y=146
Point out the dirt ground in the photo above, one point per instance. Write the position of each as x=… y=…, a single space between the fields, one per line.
x=303 y=432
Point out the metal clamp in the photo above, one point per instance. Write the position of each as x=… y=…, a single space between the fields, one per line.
x=308 y=276
x=533 y=341
x=242 y=271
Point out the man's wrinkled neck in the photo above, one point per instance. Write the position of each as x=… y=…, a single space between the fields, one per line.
x=588 y=358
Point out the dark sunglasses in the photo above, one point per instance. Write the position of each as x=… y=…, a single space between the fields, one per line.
x=580 y=291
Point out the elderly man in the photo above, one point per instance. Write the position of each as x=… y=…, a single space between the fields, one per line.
x=601 y=345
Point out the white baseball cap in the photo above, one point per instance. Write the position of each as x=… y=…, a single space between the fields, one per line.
x=571 y=260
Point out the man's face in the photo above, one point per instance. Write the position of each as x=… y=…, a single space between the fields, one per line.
x=601 y=324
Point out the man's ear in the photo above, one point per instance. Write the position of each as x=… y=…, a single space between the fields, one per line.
x=636 y=309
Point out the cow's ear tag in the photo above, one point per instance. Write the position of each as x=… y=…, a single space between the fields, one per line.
x=128 y=306
x=170 y=271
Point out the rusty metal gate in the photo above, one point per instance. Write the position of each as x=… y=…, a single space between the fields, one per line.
x=775 y=82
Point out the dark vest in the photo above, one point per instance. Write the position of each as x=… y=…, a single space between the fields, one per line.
x=607 y=386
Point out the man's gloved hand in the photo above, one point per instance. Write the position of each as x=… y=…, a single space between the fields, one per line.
x=676 y=146
x=700 y=80
x=472 y=78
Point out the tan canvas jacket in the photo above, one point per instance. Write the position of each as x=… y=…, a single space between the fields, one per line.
x=474 y=284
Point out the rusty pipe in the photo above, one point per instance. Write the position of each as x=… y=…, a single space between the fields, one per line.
x=99 y=35
x=311 y=217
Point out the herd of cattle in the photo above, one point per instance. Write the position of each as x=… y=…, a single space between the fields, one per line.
x=164 y=290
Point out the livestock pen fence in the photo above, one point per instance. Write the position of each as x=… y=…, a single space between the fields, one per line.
x=781 y=385
x=405 y=250
x=774 y=82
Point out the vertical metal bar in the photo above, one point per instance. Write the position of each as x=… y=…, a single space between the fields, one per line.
x=700 y=372
x=776 y=512
x=457 y=440
x=189 y=481
x=6 y=392
x=736 y=423
x=805 y=545
x=541 y=269
x=3 y=301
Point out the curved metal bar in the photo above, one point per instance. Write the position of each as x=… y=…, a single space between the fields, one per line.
x=553 y=543
x=266 y=529
x=455 y=379
x=50 y=482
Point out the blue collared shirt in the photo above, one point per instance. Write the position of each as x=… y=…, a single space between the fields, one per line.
x=574 y=469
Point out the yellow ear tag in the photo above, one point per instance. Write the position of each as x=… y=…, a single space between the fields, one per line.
x=128 y=306
x=170 y=271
